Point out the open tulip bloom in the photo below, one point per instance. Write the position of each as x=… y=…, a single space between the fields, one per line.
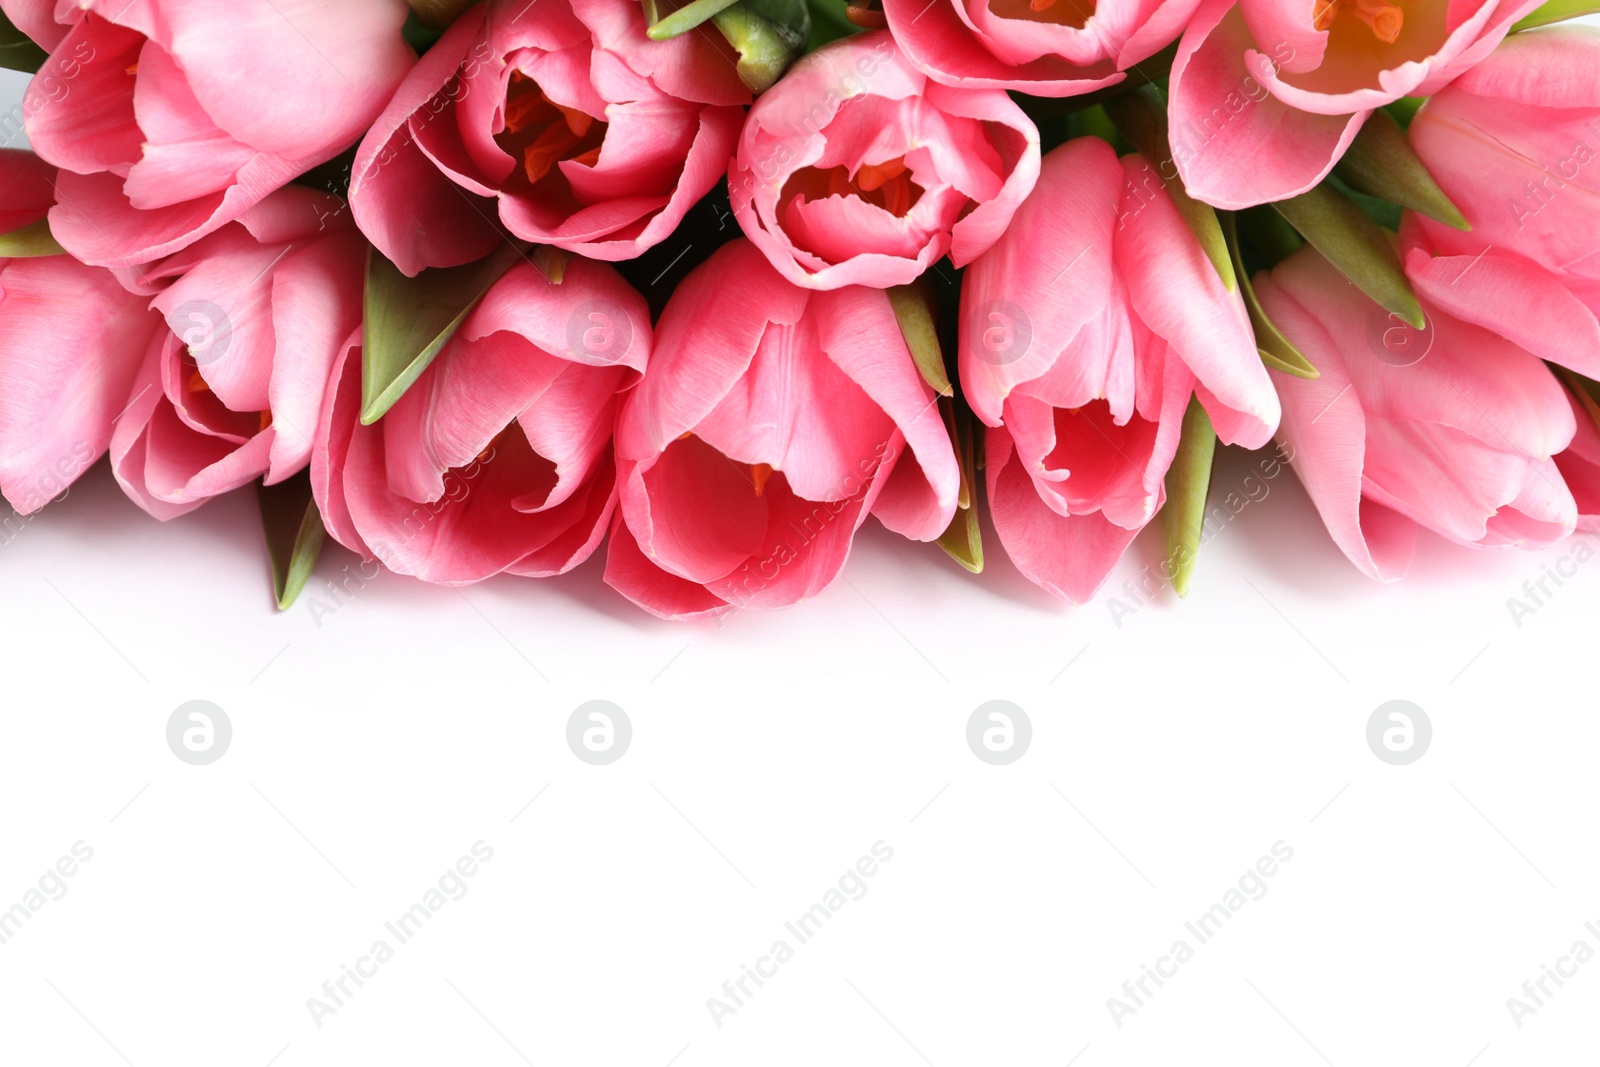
x=488 y=287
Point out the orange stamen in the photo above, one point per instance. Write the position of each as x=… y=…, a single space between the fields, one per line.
x=1385 y=20
x=759 y=473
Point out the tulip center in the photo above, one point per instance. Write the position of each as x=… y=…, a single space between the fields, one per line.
x=759 y=472
x=543 y=132
x=1384 y=20
x=1073 y=13
x=195 y=385
x=1368 y=37
x=887 y=185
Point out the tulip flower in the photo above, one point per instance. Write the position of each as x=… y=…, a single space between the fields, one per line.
x=256 y=314
x=558 y=118
x=1579 y=462
x=170 y=119
x=498 y=458
x=1514 y=143
x=71 y=340
x=856 y=169
x=1451 y=427
x=1040 y=47
x=772 y=421
x=1266 y=95
x=1084 y=333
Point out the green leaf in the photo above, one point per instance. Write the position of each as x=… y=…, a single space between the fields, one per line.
x=1276 y=350
x=1556 y=11
x=30 y=241
x=295 y=533
x=766 y=46
x=1405 y=109
x=1361 y=249
x=408 y=320
x=1380 y=162
x=17 y=50
x=1141 y=115
x=1188 y=482
x=913 y=306
x=962 y=540
x=686 y=18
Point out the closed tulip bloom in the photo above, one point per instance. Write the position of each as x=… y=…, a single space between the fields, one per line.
x=772 y=422
x=1084 y=333
x=71 y=340
x=499 y=457
x=559 y=119
x=170 y=119
x=256 y=313
x=856 y=169
x=1041 y=47
x=1266 y=95
x=1515 y=143
x=1451 y=428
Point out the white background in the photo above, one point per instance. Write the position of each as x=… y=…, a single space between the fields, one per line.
x=374 y=745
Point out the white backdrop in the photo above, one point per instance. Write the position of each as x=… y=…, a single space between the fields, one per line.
x=384 y=734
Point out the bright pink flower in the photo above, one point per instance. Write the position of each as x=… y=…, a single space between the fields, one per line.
x=499 y=457
x=1515 y=143
x=559 y=117
x=170 y=119
x=772 y=422
x=1042 y=47
x=855 y=169
x=1452 y=427
x=1267 y=94
x=1084 y=332
x=71 y=340
x=256 y=312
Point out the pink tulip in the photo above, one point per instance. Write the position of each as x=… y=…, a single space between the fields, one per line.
x=1579 y=463
x=1514 y=143
x=171 y=119
x=1266 y=95
x=71 y=340
x=558 y=117
x=256 y=312
x=1084 y=332
x=1042 y=47
x=498 y=458
x=772 y=422
x=855 y=169
x=1452 y=427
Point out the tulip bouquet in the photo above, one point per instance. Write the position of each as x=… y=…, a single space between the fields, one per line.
x=482 y=287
